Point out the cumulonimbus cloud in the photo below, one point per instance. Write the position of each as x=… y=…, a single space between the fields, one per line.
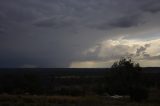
x=112 y=50
x=54 y=33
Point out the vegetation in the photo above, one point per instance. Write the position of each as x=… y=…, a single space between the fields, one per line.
x=125 y=79
x=35 y=100
x=82 y=87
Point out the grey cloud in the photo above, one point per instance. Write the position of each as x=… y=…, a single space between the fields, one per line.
x=132 y=17
x=56 y=22
x=16 y=13
x=152 y=6
x=149 y=57
x=2 y=31
x=146 y=55
x=35 y=56
x=111 y=53
x=8 y=60
x=92 y=55
x=126 y=22
x=116 y=52
x=53 y=33
x=142 y=49
x=155 y=57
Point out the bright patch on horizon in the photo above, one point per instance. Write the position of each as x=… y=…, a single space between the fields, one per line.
x=108 y=51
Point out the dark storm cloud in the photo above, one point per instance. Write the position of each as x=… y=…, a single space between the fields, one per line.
x=56 y=22
x=152 y=6
x=14 y=11
x=11 y=61
x=2 y=31
x=133 y=17
x=122 y=22
x=126 y=22
x=53 y=33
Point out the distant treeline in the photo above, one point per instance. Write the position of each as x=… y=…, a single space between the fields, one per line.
x=62 y=81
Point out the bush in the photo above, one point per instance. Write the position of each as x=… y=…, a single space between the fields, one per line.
x=125 y=78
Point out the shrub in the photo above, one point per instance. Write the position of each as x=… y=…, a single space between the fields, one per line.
x=125 y=78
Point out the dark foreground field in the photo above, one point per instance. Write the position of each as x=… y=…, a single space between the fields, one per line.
x=34 y=100
x=68 y=87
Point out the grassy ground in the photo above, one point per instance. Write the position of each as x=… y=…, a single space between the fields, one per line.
x=27 y=100
x=69 y=101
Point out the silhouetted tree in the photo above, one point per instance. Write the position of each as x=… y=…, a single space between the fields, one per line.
x=125 y=78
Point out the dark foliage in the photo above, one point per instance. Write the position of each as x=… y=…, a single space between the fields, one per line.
x=125 y=79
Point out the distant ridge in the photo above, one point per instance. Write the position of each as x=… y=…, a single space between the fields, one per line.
x=72 y=70
x=151 y=69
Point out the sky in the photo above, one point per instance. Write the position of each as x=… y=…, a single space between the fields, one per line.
x=78 y=33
